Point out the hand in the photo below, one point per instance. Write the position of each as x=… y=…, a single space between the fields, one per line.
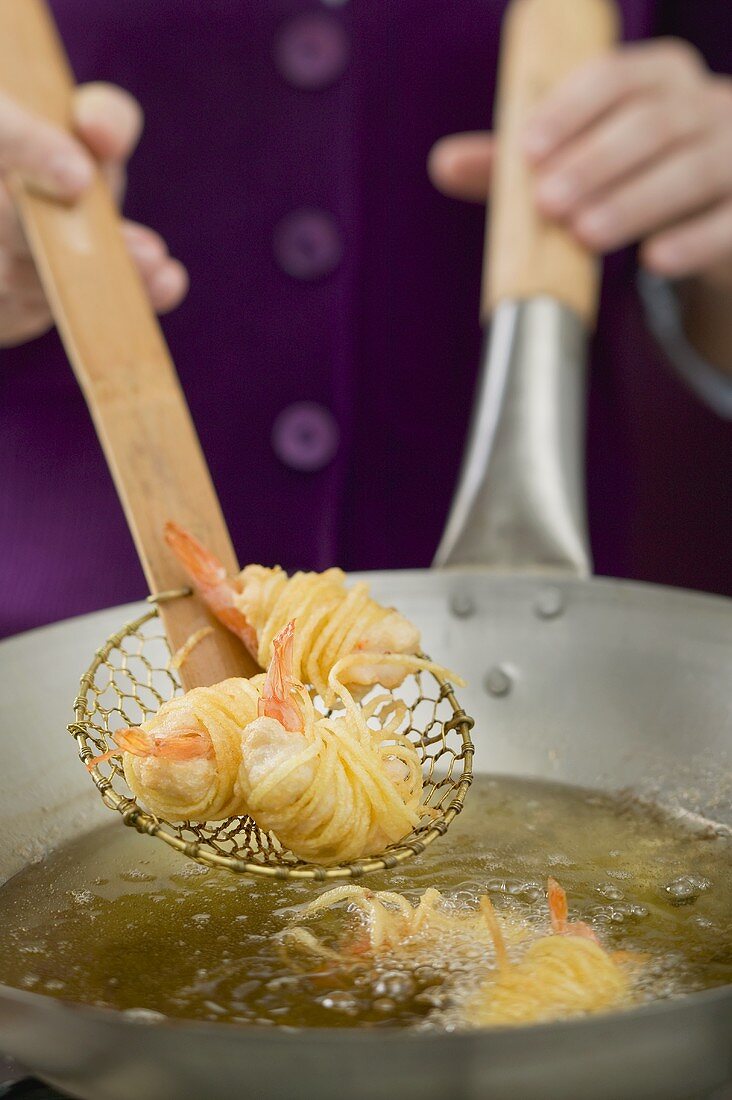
x=635 y=146
x=108 y=121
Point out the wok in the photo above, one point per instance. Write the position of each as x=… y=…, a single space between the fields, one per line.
x=621 y=684
x=596 y=682
x=587 y=681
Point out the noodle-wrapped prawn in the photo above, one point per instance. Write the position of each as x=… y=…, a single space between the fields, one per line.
x=564 y=974
x=330 y=789
x=183 y=763
x=391 y=924
x=333 y=621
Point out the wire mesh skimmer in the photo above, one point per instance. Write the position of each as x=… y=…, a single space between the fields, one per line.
x=132 y=675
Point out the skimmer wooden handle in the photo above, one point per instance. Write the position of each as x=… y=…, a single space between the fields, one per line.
x=118 y=353
x=528 y=256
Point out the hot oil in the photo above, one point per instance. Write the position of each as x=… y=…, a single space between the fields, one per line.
x=117 y=920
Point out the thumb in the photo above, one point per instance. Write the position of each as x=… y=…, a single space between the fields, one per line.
x=460 y=165
x=42 y=154
x=108 y=120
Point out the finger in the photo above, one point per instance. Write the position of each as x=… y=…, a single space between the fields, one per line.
x=146 y=247
x=166 y=280
x=19 y=283
x=43 y=155
x=677 y=187
x=693 y=247
x=108 y=119
x=19 y=326
x=623 y=142
x=604 y=82
x=115 y=174
x=168 y=286
x=12 y=238
x=460 y=165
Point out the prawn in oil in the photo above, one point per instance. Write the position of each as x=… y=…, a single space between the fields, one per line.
x=563 y=974
x=389 y=923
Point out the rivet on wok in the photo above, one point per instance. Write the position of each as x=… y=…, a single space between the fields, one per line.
x=549 y=603
x=497 y=682
x=462 y=605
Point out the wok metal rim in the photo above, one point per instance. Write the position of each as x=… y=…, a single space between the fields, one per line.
x=714 y=601
x=708 y=997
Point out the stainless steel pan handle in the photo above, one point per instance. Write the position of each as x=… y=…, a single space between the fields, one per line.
x=520 y=502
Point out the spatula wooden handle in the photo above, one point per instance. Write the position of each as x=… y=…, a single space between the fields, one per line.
x=118 y=354
x=528 y=256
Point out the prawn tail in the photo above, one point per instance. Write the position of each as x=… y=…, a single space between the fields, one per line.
x=558 y=910
x=210 y=579
x=127 y=740
x=277 y=694
x=203 y=567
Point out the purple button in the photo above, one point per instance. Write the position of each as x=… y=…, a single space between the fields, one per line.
x=307 y=244
x=305 y=436
x=311 y=51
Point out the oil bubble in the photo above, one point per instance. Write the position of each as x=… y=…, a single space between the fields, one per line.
x=610 y=891
x=395 y=985
x=82 y=897
x=144 y=1015
x=340 y=1001
x=526 y=891
x=685 y=889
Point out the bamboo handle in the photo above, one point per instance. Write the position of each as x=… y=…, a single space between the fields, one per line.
x=528 y=256
x=118 y=354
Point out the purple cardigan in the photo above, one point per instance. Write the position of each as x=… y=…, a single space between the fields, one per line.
x=329 y=343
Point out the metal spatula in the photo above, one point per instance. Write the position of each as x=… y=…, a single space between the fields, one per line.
x=520 y=499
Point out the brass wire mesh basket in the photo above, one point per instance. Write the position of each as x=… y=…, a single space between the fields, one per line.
x=131 y=676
